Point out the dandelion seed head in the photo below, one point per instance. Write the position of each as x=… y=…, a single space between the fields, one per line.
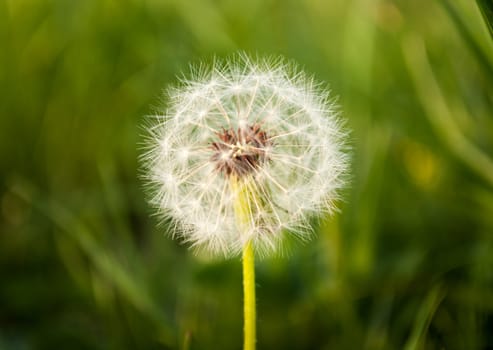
x=264 y=123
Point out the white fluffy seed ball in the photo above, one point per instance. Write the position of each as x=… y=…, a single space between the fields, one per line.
x=259 y=120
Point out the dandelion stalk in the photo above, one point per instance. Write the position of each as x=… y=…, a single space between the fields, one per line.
x=249 y=312
x=244 y=217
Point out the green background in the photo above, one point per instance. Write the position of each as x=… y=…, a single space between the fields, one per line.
x=406 y=264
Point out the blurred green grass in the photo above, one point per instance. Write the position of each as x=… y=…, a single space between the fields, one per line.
x=406 y=264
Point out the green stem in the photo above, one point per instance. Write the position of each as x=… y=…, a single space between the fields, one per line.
x=249 y=296
x=244 y=215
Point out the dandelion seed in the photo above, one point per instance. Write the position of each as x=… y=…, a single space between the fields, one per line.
x=264 y=124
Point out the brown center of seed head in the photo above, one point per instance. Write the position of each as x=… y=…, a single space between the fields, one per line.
x=240 y=152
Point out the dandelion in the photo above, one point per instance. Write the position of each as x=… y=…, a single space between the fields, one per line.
x=246 y=153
